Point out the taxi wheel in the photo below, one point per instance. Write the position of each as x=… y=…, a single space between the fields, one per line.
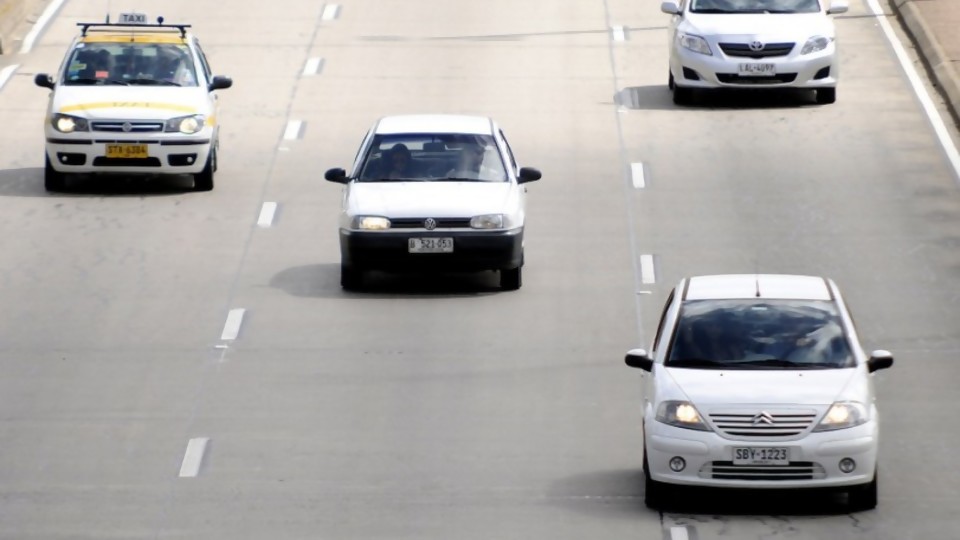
x=351 y=278
x=203 y=181
x=53 y=180
x=826 y=95
x=511 y=278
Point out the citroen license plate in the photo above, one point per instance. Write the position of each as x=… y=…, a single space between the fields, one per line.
x=761 y=456
x=430 y=245
x=758 y=70
x=127 y=151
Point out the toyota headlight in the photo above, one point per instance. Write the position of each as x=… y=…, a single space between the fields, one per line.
x=694 y=43
x=815 y=44
x=185 y=124
x=681 y=414
x=370 y=223
x=64 y=123
x=842 y=415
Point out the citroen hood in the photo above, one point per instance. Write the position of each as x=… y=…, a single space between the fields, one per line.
x=767 y=387
x=121 y=102
x=432 y=199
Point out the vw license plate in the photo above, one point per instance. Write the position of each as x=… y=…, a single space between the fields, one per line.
x=761 y=456
x=128 y=151
x=758 y=70
x=430 y=245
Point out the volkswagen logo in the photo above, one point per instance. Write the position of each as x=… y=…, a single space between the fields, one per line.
x=756 y=45
x=762 y=418
x=429 y=224
x=127 y=126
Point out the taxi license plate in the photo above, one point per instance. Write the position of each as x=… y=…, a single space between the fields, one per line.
x=761 y=456
x=430 y=245
x=758 y=70
x=127 y=151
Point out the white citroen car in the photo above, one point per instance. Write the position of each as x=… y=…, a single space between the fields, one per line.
x=759 y=381
x=753 y=44
x=433 y=192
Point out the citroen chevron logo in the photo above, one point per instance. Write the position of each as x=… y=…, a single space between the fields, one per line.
x=763 y=418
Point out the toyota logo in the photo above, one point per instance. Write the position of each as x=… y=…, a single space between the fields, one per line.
x=762 y=418
x=429 y=224
x=756 y=46
x=127 y=126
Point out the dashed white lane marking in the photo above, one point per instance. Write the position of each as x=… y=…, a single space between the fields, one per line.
x=639 y=178
x=330 y=12
x=6 y=73
x=939 y=126
x=294 y=127
x=267 y=212
x=312 y=67
x=647 y=272
x=231 y=329
x=619 y=33
x=679 y=533
x=193 y=457
x=38 y=26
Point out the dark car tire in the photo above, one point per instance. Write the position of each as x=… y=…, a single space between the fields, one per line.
x=53 y=180
x=511 y=278
x=351 y=278
x=826 y=96
x=681 y=95
x=654 y=493
x=670 y=83
x=203 y=180
x=861 y=498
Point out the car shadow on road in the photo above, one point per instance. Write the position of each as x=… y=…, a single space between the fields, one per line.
x=659 y=97
x=28 y=182
x=323 y=281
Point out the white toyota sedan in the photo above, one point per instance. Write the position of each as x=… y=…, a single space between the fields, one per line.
x=753 y=44
x=759 y=381
x=433 y=193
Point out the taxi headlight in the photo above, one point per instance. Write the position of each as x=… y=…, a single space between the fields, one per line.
x=842 y=415
x=370 y=223
x=680 y=414
x=185 y=124
x=815 y=44
x=694 y=43
x=64 y=123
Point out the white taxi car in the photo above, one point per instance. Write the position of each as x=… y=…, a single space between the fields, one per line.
x=433 y=192
x=753 y=44
x=759 y=381
x=132 y=98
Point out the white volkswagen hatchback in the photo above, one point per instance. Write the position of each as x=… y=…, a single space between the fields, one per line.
x=433 y=192
x=753 y=44
x=759 y=381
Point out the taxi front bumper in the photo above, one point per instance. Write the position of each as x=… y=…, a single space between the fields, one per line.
x=166 y=155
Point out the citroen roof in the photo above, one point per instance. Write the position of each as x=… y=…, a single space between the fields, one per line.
x=435 y=123
x=769 y=286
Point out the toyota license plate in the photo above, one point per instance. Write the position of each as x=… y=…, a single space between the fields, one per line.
x=758 y=70
x=127 y=151
x=761 y=456
x=430 y=245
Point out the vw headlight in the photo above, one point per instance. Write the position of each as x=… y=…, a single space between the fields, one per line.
x=680 y=414
x=815 y=44
x=185 y=124
x=370 y=223
x=694 y=43
x=64 y=123
x=489 y=221
x=842 y=415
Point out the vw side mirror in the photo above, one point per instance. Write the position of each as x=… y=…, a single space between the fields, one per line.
x=528 y=174
x=336 y=175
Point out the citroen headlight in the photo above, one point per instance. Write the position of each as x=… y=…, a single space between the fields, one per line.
x=64 y=123
x=815 y=44
x=681 y=414
x=842 y=415
x=694 y=43
x=185 y=124
x=370 y=223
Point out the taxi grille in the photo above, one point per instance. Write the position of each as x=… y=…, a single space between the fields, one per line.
x=796 y=470
x=127 y=127
x=442 y=223
x=747 y=425
x=769 y=50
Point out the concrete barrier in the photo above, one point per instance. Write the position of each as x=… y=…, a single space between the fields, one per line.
x=12 y=13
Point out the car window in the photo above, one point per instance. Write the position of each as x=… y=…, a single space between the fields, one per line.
x=759 y=334
x=204 y=64
x=663 y=320
x=755 y=6
x=114 y=63
x=432 y=158
x=513 y=160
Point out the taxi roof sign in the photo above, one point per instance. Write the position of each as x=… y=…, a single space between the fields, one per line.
x=133 y=22
x=133 y=18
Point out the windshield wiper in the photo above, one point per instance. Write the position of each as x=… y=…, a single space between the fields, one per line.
x=697 y=362
x=159 y=82
x=780 y=362
x=714 y=10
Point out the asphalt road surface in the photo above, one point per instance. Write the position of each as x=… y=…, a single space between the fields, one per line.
x=178 y=365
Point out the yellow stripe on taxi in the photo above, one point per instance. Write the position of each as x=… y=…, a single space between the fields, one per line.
x=128 y=105
x=134 y=38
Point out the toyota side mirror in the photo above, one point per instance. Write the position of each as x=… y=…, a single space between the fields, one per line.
x=837 y=7
x=670 y=7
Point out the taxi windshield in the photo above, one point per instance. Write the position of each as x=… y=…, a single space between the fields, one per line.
x=109 y=63
x=755 y=6
x=441 y=157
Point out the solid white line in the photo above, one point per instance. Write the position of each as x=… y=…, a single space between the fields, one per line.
x=193 y=457
x=639 y=179
x=266 y=214
x=293 y=130
x=619 y=33
x=312 y=66
x=679 y=533
x=647 y=273
x=232 y=327
x=330 y=12
x=953 y=155
x=34 y=33
x=6 y=73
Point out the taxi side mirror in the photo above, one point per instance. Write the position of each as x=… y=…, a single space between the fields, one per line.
x=528 y=174
x=43 y=80
x=220 y=82
x=336 y=175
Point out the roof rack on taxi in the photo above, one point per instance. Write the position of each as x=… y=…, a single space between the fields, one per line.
x=133 y=26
